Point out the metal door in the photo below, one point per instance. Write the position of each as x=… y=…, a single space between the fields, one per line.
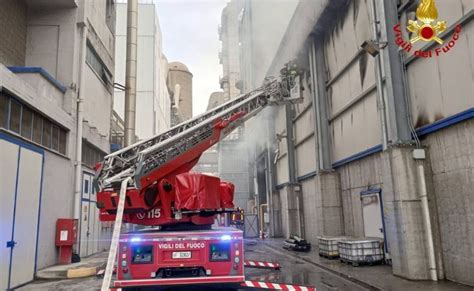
x=89 y=218
x=26 y=217
x=84 y=225
x=9 y=157
x=372 y=214
x=21 y=171
x=92 y=234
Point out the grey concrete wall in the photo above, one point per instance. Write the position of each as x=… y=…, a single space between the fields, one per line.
x=355 y=178
x=402 y=214
x=290 y=211
x=13 y=15
x=56 y=202
x=97 y=110
x=19 y=85
x=276 y=219
x=312 y=214
x=52 y=43
x=96 y=15
x=451 y=153
x=395 y=173
x=330 y=203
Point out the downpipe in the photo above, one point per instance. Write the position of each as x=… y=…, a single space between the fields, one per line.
x=131 y=72
x=419 y=156
x=262 y=220
x=379 y=79
x=79 y=121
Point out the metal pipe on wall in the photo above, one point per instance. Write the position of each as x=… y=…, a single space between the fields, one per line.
x=320 y=106
x=379 y=80
x=290 y=144
x=131 y=72
x=425 y=209
x=261 y=219
x=79 y=121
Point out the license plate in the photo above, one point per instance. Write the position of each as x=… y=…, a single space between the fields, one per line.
x=181 y=255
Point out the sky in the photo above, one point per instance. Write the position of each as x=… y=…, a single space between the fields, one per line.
x=189 y=35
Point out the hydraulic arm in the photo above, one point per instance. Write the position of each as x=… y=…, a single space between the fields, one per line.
x=160 y=188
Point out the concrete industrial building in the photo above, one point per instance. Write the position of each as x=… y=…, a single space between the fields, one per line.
x=53 y=54
x=339 y=169
x=233 y=151
x=180 y=84
x=229 y=54
x=153 y=99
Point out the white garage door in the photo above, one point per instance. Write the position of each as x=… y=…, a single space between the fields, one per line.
x=21 y=167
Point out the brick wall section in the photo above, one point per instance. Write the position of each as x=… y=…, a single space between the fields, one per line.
x=13 y=15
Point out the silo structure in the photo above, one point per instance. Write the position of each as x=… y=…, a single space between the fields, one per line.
x=179 y=74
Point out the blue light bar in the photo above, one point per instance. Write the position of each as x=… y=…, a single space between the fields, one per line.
x=135 y=239
x=226 y=237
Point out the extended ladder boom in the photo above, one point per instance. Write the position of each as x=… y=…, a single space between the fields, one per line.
x=143 y=157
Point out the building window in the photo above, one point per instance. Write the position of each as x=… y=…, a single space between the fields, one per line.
x=62 y=141
x=31 y=125
x=26 y=123
x=37 y=128
x=97 y=65
x=110 y=15
x=46 y=140
x=4 y=107
x=91 y=155
x=55 y=137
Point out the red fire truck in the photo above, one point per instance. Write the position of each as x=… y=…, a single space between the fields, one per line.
x=149 y=183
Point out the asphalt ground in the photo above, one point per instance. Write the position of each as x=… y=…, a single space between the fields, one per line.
x=293 y=271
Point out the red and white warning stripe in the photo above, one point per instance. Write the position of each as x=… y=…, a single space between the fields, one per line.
x=263 y=265
x=276 y=286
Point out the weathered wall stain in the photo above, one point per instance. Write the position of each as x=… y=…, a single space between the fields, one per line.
x=438 y=116
x=363 y=59
x=422 y=119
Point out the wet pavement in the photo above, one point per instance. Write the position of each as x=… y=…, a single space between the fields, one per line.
x=296 y=268
x=377 y=277
x=293 y=270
